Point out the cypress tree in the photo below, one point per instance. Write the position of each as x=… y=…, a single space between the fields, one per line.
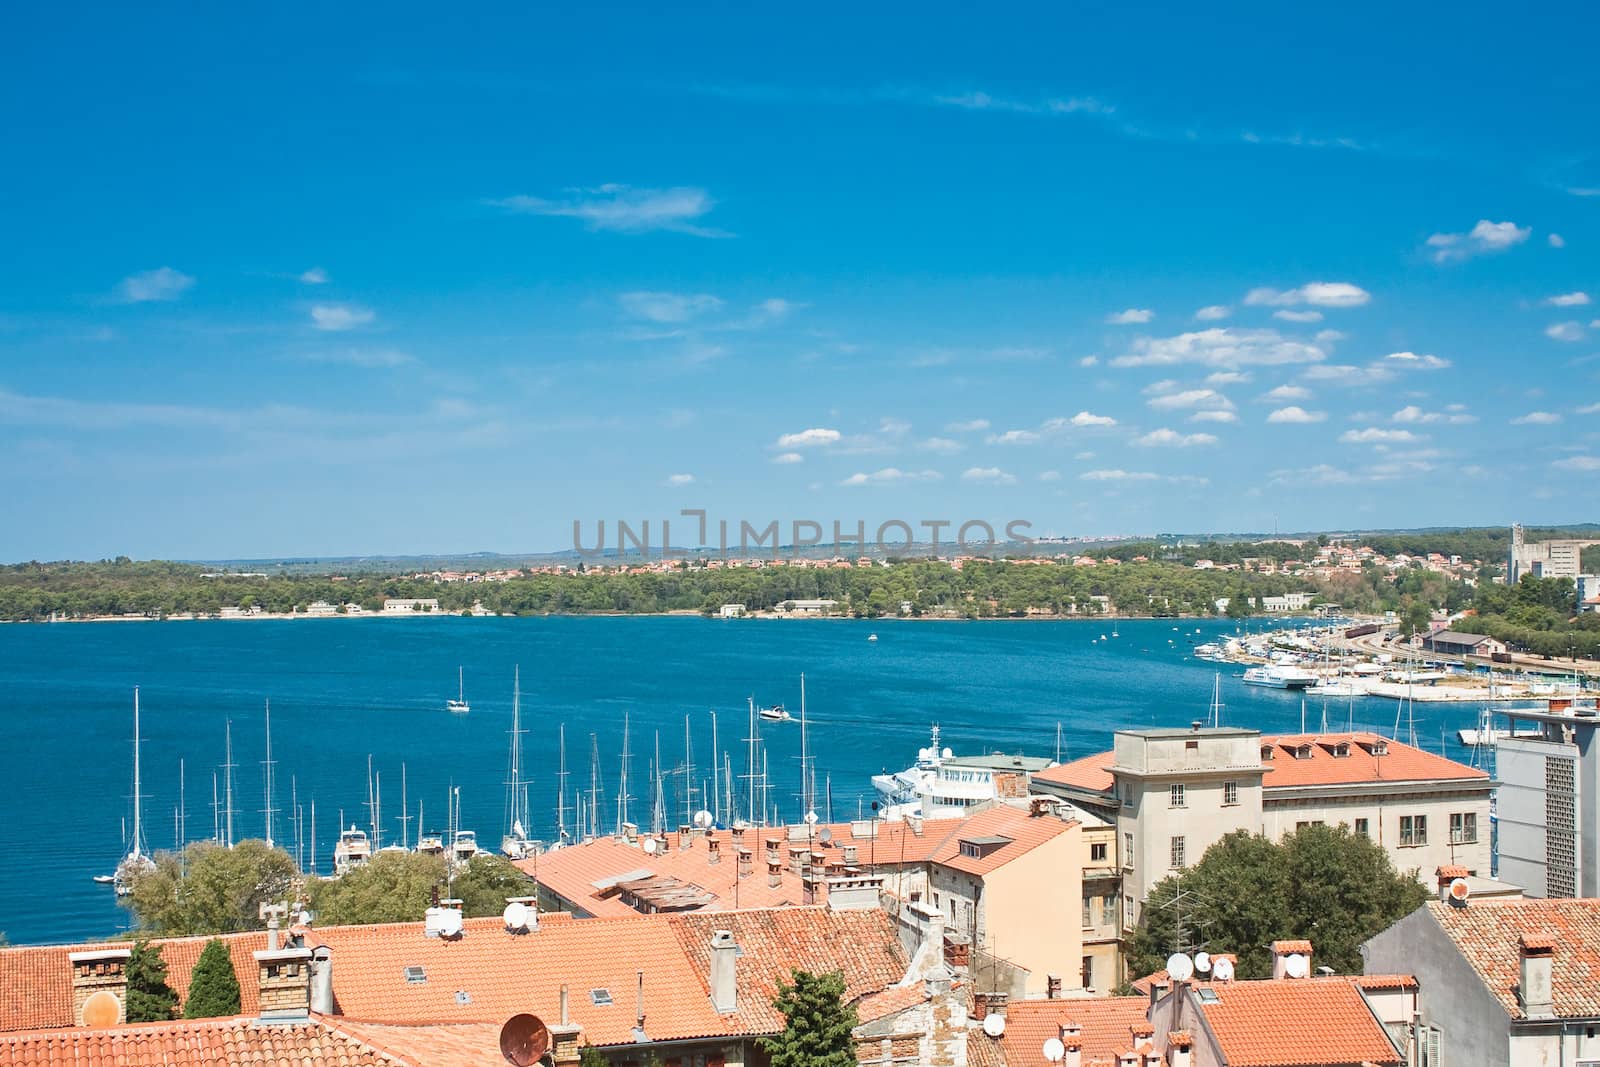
x=213 y=987
x=817 y=1023
x=150 y=998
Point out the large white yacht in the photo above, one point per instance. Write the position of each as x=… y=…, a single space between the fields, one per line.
x=942 y=785
x=1280 y=676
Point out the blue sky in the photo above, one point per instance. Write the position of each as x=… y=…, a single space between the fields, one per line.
x=300 y=281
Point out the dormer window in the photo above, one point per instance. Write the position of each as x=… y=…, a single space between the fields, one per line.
x=1266 y=753
x=1341 y=750
x=1380 y=747
x=1302 y=752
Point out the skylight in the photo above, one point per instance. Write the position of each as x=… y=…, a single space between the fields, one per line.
x=1208 y=996
x=415 y=975
x=601 y=997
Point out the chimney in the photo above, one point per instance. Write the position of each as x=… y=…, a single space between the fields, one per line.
x=1445 y=876
x=284 y=980
x=1180 y=1049
x=99 y=986
x=1538 y=957
x=998 y=999
x=774 y=873
x=724 y=972
x=564 y=1050
x=736 y=835
x=322 y=980
x=797 y=859
x=849 y=855
x=980 y=1006
x=774 y=850
x=746 y=862
x=1052 y=987
x=713 y=850
x=1282 y=951
x=1071 y=1035
x=1158 y=990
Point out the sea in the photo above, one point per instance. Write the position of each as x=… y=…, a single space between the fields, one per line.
x=346 y=694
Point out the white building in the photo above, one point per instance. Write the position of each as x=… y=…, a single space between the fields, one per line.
x=1549 y=803
x=407 y=605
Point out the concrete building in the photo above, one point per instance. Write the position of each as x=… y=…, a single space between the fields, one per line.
x=1173 y=793
x=1544 y=559
x=1548 y=764
x=1503 y=984
x=407 y=605
x=1588 y=592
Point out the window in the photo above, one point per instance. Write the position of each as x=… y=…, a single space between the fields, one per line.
x=1108 y=911
x=463 y=997
x=1088 y=972
x=1191 y=746
x=1230 y=794
x=1464 y=828
x=1413 y=830
x=600 y=997
x=415 y=975
x=1361 y=828
x=1179 y=858
x=1097 y=852
x=1127 y=855
x=1127 y=792
x=1266 y=753
x=1088 y=912
x=1175 y=796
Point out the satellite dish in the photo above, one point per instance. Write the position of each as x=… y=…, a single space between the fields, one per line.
x=102 y=1009
x=704 y=820
x=1459 y=891
x=1295 y=965
x=650 y=846
x=825 y=835
x=1202 y=962
x=524 y=1039
x=450 y=923
x=515 y=915
x=1180 y=967
x=1222 y=969
x=1054 y=1050
x=994 y=1025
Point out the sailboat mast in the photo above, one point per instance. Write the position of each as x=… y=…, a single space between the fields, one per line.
x=313 y=835
x=228 y=772
x=805 y=756
x=716 y=793
x=688 y=775
x=183 y=815
x=266 y=785
x=138 y=799
x=405 y=812
x=622 y=789
x=561 y=787
x=593 y=826
x=750 y=760
x=216 y=812
x=658 y=816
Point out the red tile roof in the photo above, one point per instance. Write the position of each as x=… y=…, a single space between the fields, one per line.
x=1025 y=832
x=1107 y=1024
x=36 y=980
x=200 y=1043
x=1487 y=937
x=432 y=1045
x=1092 y=773
x=1306 y=1022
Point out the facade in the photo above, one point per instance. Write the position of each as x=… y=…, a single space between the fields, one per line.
x=405 y=605
x=1456 y=643
x=1588 y=592
x=1544 y=559
x=1549 y=802
x=962 y=785
x=1503 y=984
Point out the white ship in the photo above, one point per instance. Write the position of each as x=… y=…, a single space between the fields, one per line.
x=942 y=785
x=353 y=850
x=1280 y=676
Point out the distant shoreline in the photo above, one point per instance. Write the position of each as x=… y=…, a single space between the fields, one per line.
x=688 y=614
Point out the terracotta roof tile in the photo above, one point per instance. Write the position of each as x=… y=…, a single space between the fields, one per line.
x=1106 y=1023
x=1026 y=833
x=1487 y=937
x=1307 y=1022
x=200 y=1043
x=1090 y=772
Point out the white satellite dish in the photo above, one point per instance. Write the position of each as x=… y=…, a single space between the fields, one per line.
x=994 y=1025
x=1054 y=1050
x=1202 y=962
x=1180 y=967
x=1295 y=965
x=704 y=820
x=450 y=923
x=1222 y=969
x=650 y=846
x=516 y=916
x=825 y=835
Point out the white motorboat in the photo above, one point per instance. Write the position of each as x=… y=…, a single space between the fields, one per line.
x=353 y=850
x=1280 y=676
x=776 y=713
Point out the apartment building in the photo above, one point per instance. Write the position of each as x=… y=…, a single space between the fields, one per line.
x=1548 y=763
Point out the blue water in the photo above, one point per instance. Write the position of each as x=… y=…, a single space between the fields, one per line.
x=345 y=688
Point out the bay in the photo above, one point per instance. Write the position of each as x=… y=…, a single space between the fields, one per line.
x=344 y=689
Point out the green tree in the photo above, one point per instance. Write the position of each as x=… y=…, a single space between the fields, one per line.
x=213 y=985
x=486 y=883
x=1325 y=884
x=1416 y=619
x=589 y=1056
x=391 y=887
x=817 y=1023
x=150 y=998
x=210 y=889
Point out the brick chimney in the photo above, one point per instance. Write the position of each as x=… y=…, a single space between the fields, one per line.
x=724 y=972
x=747 y=862
x=1052 y=987
x=798 y=854
x=736 y=835
x=565 y=1037
x=774 y=873
x=775 y=850
x=980 y=1006
x=1180 y=1049
x=1538 y=958
x=1282 y=950
x=95 y=972
x=998 y=999
x=713 y=850
x=284 y=979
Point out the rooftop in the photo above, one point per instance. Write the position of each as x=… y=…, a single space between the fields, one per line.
x=1487 y=936
x=199 y=1043
x=1107 y=1026
x=1306 y=1022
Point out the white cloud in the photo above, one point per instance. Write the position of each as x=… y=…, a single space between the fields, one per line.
x=371 y=358
x=680 y=479
x=1049 y=476
x=1320 y=294
x=1165 y=438
x=1374 y=435
x=1537 y=418
x=163 y=283
x=1013 y=437
x=1224 y=347
x=314 y=276
x=1089 y=361
x=1213 y=416
x=1567 y=300
x=1345 y=374
x=1296 y=414
x=1287 y=392
x=667 y=307
x=988 y=475
x=1578 y=463
x=786 y=458
x=1556 y=241
x=1227 y=377
x=1213 y=312
x=809 y=438
x=1286 y=315
x=776 y=307
x=1328 y=337
x=969 y=426
x=1565 y=331
x=1483 y=239
x=942 y=445
x=1085 y=418
x=890 y=476
x=621 y=209
x=340 y=316
x=1590 y=409
x=893 y=427
x=1118 y=476
x=1130 y=317
x=1190 y=398
x=1412 y=361
x=1454 y=416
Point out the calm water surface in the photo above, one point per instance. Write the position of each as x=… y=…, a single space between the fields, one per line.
x=342 y=689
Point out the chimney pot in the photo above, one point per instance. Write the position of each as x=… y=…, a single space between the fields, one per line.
x=322 y=980
x=1052 y=986
x=724 y=972
x=1538 y=959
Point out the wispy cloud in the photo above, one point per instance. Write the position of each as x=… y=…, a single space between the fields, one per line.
x=623 y=209
x=1486 y=238
x=1289 y=315
x=1118 y=475
x=163 y=283
x=369 y=358
x=1413 y=361
x=1013 y=437
x=680 y=479
x=1225 y=347
x=337 y=317
x=1214 y=416
x=1130 y=317
x=1318 y=294
x=1578 y=463
x=1287 y=392
x=809 y=438
x=1213 y=312
x=1537 y=418
x=667 y=307
x=1167 y=438
x=988 y=476
x=1376 y=435
x=967 y=426
x=788 y=458
x=890 y=476
x=1085 y=419
x=1294 y=414
x=1564 y=331
x=1566 y=300
x=1411 y=413
x=314 y=276
x=1189 y=398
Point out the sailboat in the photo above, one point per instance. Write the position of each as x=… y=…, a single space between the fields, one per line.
x=459 y=705
x=515 y=845
x=138 y=860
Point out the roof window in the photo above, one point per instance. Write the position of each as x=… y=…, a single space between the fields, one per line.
x=415 y=975
x=600 y=997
